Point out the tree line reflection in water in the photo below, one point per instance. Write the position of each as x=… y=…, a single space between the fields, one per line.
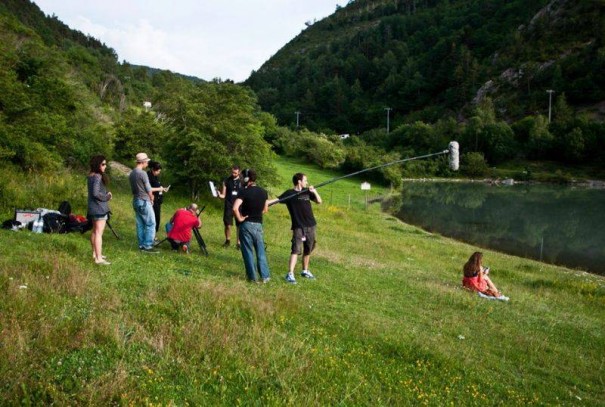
x=553 y=223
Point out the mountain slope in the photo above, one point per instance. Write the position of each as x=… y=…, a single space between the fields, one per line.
x=428 y=58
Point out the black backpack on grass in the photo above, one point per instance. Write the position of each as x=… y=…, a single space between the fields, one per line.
x=65 y=208
x=54 y=223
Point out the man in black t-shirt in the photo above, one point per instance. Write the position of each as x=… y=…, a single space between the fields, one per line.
x=248 y=209
x=231 y=186
x=155 y=168
x=298 y=201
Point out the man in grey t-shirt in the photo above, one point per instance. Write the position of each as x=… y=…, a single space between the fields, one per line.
x=142 y=203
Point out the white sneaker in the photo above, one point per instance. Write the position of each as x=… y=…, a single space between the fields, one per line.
x=307 y=274
x=290 y=278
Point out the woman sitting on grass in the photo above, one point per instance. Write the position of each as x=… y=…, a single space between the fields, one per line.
x=476 y=279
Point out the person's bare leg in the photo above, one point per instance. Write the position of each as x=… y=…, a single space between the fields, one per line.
x=96 y=239
x=292 y=263
x=306 y=260
x=93 y=238
x=491 y=286
x=227 y=233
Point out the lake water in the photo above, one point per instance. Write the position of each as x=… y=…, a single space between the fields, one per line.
x=556 y=224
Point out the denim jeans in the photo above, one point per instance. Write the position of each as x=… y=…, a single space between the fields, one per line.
x=145 y=219
x=251 y=239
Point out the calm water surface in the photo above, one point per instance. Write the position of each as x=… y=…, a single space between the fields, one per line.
x=555 y=224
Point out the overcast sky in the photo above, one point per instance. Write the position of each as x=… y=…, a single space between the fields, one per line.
x=206 y=38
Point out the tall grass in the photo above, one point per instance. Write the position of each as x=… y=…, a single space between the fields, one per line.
x=384 y=323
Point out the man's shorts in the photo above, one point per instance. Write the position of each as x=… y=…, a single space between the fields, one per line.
x=228 y=215
x=303 y=238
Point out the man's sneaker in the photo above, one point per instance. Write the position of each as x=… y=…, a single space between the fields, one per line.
x=185 y=249
x=102 y=262
x=148 y=250
x=238 y=246
x=307 y=274
x=266 y=280
x=290 y=278
x=227 y=243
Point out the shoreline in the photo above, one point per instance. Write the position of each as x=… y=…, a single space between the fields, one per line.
x=592 y=184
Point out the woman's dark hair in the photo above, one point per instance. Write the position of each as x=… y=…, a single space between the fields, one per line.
x=154 y=165
x=95 y=167
x=473 y=265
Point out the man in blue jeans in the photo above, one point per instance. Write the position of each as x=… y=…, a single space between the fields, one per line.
x=248 y=209
x=142 y=203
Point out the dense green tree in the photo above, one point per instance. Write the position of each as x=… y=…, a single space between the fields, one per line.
x=324 y=151
x=500 y=142
x=215 y=125
x=137 y=131
x=574 y=145
x=562 y=113
x=359 y=156
x=473 y=164
x=540 y=140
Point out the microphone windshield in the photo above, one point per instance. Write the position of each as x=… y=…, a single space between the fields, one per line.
x=454 y=155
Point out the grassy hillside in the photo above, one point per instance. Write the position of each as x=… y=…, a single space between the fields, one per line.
x=385 y=323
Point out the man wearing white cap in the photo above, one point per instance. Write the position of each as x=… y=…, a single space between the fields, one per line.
x=142 y=203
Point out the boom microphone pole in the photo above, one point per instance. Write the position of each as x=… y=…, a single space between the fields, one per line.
x=452 y=150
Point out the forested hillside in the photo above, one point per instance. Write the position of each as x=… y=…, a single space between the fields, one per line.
x=64 y=96
x=426 y=59
x=472 y=71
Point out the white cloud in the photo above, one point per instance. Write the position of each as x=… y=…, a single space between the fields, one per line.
x=205 y=38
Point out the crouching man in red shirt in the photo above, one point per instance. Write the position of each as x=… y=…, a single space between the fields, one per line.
x=183 y=222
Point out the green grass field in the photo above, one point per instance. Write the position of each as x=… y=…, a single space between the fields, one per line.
x=385 y=322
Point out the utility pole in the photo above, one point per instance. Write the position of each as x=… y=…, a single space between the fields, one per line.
x=297 y=113
x=388 y=109
x=550 y=92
